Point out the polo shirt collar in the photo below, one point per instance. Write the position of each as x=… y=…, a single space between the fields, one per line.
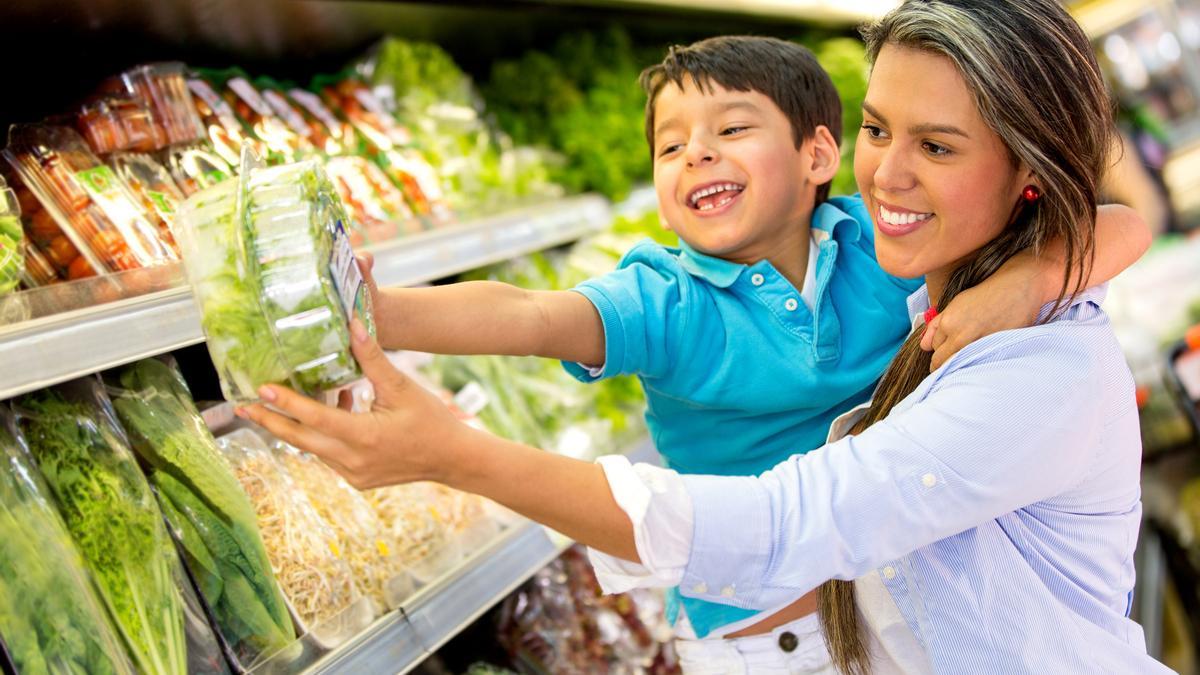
x=830 y=222
x=718 y=272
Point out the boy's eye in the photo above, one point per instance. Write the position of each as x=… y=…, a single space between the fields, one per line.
x=730 y=131
x=935 y=149
x=874 y=131
x=668 y=149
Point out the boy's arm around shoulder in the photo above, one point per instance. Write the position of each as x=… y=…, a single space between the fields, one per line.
x=489 y=317
x=1014 y=295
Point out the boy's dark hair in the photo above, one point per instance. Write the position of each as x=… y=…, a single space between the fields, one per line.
x=784 y=72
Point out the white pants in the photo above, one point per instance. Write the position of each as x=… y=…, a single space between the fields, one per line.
x=760 y=653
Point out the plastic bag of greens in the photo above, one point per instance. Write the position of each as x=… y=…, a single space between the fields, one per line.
x=50 y=617
x=210 y=515
x=275 y=278
x=379 y=571
x=115 y=521
x=316 y=579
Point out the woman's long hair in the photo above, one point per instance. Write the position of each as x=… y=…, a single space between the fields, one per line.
x=1035 y=81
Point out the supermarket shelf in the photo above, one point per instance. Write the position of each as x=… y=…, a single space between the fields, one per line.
x=61 y=347
x=402 y=639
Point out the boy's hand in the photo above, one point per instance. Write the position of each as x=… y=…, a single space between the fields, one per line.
x=1010 y=298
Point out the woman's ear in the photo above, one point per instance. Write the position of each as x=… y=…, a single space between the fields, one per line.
x=825 y=155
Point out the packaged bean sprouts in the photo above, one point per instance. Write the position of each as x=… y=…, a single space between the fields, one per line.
x=379 y=571
x=310 y=566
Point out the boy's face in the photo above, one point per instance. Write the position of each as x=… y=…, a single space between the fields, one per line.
x=730 y=180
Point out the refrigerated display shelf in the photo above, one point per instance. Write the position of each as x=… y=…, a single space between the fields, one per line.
x=57 y=348
x=400 y=640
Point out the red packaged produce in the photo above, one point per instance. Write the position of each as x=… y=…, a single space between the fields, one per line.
x=220 y=124
x=91 y=205
x=164 y=88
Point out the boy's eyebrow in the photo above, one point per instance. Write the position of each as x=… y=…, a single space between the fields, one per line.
x=721 y=108
x=919 y=128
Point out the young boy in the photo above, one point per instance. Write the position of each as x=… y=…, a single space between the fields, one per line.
x=770 y=319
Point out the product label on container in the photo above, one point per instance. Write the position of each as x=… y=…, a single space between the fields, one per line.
x=102 y=185
x=164 y=204
x=346 y=276
x=287 y=112
x=312 y=103
x=204 y=91
x=250 y=95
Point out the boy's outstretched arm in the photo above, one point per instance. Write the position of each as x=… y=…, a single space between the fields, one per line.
x=489 y=317
x=1013 y=296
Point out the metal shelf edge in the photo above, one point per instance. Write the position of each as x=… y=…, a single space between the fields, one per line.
x=47 y=351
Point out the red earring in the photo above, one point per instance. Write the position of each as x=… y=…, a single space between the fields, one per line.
x=1031 y=194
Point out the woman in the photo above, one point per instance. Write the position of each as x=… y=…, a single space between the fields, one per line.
x=987 y=511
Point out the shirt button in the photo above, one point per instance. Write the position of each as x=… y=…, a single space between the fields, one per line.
x=889 y=572
x=788 y=641
x=757 y=280
x=791 y=304
x=700 y=588
x=929 y=480
x=727 y=591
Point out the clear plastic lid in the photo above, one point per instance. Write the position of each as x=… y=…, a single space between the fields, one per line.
x=113 y=123
x=164 y=88
x=152 y=185
x=91 y=206
x=271 y=265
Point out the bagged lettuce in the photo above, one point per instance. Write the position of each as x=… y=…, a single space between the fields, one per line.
x=271 y=266
x=205 y=506
x=50 y=617
x=111 y=514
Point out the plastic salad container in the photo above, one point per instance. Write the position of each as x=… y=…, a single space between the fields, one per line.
x=276 y=280
x=12 y=238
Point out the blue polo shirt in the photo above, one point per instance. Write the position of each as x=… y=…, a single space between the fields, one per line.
x=739 y=373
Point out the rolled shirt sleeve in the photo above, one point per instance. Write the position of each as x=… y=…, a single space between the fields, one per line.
x=660 y=509
x=1009 y=425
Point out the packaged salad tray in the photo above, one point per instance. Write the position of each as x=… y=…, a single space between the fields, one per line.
x=272 y=269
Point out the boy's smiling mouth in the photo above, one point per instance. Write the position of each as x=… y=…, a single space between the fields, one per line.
x=712 y=196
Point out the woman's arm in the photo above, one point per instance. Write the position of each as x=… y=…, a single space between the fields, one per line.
x=410 y=435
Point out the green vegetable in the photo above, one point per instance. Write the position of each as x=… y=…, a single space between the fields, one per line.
x=12 y=259
x=587 y=105
x=110 y=512
x=204 y=502
x=50 y=618
x=262 y=277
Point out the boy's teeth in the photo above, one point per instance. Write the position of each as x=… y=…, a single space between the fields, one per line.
x=712 y=190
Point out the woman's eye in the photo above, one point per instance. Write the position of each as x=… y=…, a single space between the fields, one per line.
x=874 y=131
x=935 y=149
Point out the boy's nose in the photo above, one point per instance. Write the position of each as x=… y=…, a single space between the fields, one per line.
x=700 y=153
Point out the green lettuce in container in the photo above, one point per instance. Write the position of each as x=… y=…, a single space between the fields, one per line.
x=206 y=507
x=112 y=517
x=12 y=257
x=272 y=270
x=50 y=617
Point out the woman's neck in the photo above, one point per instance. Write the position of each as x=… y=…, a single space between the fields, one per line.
x=935 y=283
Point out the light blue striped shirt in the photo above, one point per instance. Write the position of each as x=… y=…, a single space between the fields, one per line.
x=1000 y=503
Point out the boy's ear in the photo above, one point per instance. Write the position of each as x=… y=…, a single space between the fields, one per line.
x=663 y=221
x=824 y=155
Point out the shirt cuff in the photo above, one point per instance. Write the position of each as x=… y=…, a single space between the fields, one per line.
x=727 y=515
x=660 y=509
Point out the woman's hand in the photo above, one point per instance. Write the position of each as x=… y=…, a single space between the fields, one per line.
x=409 y=434
x=1010 y=298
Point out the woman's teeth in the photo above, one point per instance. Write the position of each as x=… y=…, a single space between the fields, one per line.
x=893 y=218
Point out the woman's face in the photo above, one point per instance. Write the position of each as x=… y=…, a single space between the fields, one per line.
x=938 y=181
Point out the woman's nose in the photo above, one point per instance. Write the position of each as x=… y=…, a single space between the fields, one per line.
x=893 y=172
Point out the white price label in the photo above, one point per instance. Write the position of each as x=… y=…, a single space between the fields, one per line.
x=346 y=275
